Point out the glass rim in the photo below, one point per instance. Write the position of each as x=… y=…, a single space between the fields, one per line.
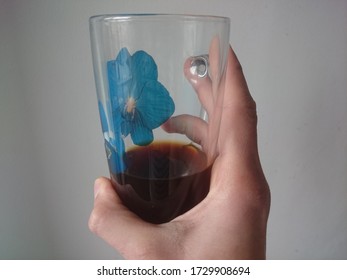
x=157 y=16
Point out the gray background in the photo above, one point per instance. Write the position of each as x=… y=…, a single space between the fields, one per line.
x=294 y=55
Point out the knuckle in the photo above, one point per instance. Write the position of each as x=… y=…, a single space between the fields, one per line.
x=251 y=110
x=238 y=67
x=259 y=200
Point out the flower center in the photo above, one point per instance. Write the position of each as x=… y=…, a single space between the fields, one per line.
x=130 y=105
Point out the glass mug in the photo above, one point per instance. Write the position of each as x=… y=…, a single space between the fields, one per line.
x=160 y=86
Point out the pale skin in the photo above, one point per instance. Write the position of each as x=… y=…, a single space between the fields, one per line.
x=231 y=222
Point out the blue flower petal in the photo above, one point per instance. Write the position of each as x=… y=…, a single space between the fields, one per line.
x=135 y=89
x=123 y=56
x=139 y=102
x=118 y=73
x=126 y=128
x=119 y=77
x=143 y=66
x=104 y=124
x=117 y=121
x=141 y=135
x=155 y=104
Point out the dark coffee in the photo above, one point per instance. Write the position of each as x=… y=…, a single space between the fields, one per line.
x=163 y=180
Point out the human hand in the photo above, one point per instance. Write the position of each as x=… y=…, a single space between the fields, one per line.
x=230 y=223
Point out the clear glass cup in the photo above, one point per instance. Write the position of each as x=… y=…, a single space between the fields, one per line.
x=160 y=85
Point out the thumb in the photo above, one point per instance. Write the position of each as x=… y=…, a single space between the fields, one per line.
x=112 y=221
x=239 y=116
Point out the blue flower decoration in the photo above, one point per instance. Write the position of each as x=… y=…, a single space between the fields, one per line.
x=139 y=102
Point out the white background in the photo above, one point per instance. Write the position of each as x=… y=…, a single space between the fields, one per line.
x=294 y=55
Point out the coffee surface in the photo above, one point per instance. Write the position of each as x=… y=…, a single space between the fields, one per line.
x=163 y=180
